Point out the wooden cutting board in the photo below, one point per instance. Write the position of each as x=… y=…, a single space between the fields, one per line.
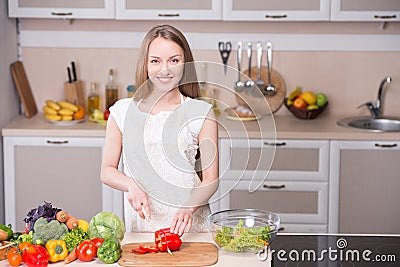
x=24 y=89
x=190 y=254
x=275 y=101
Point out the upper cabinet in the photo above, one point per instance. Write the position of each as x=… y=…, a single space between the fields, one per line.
x=365 y=10
x=228 y=10
x=276 y=10
x=169 y=9
x=88 y=9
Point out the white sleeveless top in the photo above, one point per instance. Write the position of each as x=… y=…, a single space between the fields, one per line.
x=149 y=144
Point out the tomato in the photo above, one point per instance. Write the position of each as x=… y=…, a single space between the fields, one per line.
x=106 y=114
x=23 y=246
x=148 y=248
x=86 y=251
x=13 y=257
x=97 y=241
x=139 y=251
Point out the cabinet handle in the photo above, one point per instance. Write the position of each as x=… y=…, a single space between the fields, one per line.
x=274 y=186
x=385 y=17
x=57 y=142
x=385 y=145
x=275 y=144
x=281 y=229
x=61 y=13
x=169 y=15
x=275 y=16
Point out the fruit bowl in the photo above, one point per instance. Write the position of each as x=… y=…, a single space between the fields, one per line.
x=243 y=230
x=305 y=114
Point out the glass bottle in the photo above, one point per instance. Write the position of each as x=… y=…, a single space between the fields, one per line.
x=131 y=90
x=93 y=101
x=111 y=90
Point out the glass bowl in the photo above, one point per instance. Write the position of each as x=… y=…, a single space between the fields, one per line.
x=243 y=230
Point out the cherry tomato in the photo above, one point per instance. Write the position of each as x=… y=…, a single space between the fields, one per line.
x=97 y=241
x=86 y=250
x=148 y=248
x=13 y=257
x=139 y=251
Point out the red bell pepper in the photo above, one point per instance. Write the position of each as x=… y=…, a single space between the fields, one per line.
x=165 y=240
x=36 y=256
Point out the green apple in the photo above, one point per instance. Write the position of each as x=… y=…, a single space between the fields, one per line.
x=321 y=100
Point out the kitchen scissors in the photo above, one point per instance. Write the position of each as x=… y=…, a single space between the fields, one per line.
x=225 y=49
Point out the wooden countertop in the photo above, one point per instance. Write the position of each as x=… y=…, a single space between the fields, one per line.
x=287 y=127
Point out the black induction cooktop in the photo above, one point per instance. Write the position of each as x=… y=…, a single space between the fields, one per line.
x=335 y=250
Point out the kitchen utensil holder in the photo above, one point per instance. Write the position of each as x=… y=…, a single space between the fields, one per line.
x=73 y=93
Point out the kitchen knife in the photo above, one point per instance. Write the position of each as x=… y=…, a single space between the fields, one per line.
x=69 y=75
x=74 y=71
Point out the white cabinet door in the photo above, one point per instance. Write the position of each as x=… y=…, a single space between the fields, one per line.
x=365 y=182
x=276 y=10
x=169 y=10
x=294 y=202
x=365 y=10
x=88 y=9
x=62 y=171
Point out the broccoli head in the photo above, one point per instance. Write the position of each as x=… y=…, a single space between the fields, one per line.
x=44 y=231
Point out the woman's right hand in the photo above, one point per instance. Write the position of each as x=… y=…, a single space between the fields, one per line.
x=138 y=198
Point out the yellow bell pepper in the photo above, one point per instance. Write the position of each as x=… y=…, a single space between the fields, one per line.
x=57 y=250
x=84 y=225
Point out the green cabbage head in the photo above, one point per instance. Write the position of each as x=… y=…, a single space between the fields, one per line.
x=106 y=225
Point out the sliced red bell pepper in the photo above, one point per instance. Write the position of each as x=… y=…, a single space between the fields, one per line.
x=139 y=251
x=151 y=249
x=165 y=240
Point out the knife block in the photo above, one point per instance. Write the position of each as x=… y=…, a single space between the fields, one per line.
x=73 y=93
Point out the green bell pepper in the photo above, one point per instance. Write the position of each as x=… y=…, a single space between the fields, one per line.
x=109 y=251
x=7 y=230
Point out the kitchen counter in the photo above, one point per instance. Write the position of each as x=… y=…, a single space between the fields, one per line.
x=287 y=127
x=224 y=259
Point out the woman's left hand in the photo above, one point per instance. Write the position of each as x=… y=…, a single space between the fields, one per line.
x=182 y=221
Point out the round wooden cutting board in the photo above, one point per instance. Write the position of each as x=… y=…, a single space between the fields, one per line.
x=275 y=101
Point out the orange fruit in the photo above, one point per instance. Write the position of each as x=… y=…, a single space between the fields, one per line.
x=299 y=103
x=80 y=113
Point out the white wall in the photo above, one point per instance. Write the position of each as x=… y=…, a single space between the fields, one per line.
x=8 y=96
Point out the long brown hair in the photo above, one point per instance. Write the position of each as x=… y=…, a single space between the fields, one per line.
x=188 y=85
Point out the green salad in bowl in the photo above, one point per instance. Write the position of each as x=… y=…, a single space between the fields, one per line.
x=243 y=230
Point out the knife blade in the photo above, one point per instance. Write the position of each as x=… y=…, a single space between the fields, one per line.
x=74 y=71
x=69 y=75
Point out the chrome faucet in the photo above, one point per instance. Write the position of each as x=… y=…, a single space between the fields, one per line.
x=376 y=110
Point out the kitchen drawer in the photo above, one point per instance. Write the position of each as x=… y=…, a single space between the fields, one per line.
x=294 y=202
x=288 y=160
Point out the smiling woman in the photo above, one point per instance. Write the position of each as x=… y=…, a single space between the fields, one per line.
x=165 y=64
x=159 y=133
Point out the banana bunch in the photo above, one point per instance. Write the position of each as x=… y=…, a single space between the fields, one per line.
x=62 y=111
x=293 y=94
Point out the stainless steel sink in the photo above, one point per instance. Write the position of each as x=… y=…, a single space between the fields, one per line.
x=382 y=124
